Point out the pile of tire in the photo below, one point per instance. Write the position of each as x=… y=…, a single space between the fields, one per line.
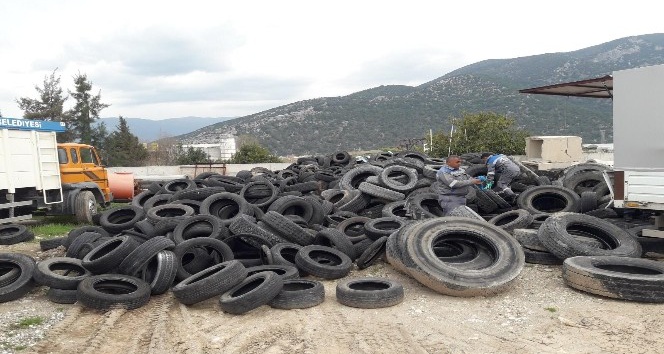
x=268 y=237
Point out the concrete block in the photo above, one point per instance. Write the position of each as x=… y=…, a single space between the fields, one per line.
x=554 y=149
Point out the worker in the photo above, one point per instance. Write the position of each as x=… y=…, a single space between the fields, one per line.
x=453 y=184
x=506 y=169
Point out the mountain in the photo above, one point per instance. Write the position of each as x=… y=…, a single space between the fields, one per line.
x=150 y=130
x=383 y=116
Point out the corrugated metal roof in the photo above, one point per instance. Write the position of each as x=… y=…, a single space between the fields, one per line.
x=601 y=87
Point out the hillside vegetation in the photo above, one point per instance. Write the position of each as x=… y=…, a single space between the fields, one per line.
x=386 y=115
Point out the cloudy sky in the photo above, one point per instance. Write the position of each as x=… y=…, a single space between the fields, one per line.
x=166 y=59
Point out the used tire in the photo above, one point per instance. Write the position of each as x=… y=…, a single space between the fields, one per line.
x=254 y=291
x=558 y=232
x=18 y=284
x=548 y=200
x=323 y=262
x=108 y=291
x=210 y=282
x=369 y=293
x=625 y=278
x=299 y=294
x=425 y=266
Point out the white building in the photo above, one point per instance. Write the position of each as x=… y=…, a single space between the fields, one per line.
x=223 y=150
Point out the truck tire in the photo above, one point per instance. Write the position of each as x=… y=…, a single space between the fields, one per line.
x=85 y=206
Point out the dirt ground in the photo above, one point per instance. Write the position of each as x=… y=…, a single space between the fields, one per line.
x=539 y=314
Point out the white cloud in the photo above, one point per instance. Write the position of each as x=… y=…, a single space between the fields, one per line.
x=161 y=59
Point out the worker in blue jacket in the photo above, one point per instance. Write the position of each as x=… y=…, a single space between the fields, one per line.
x=454 y=184
x=506 y=169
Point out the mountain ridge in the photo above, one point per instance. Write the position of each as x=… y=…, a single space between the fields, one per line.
x=383 y=116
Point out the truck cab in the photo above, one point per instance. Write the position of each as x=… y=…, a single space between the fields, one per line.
x=80 y=163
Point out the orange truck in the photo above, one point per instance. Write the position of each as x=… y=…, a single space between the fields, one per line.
x=37 y=173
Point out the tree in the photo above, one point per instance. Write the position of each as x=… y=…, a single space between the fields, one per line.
x=85 y=112
x=99 y=139
x=481 y=132
x=190 y=156
x=49 y=105
x=253 y=153
x=123 y=147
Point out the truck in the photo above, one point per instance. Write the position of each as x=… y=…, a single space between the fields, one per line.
x=637 y=179
x=37 y=173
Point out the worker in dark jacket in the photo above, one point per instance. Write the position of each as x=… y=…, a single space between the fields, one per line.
x=506 y=169
x=453 y=184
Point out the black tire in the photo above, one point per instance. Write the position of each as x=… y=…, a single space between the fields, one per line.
x=396 y=210
x=623 y=278
x=484 y=203
x=558 y=232
x=352 y=179
x=465 y=211
x=254 y=291
x=515 y=219
x=299 y=294
x=121 y=218
x=335 y=239
x=200 y=226
x=588 y=201
x=160 y=272
x=61 y=296
x=140 y=199
x=584 y=181
x=85 y=206
x=210 y=282
x=86 y=238
x=284 y=271
x=369 y=293
x=262 y=200
x=145 y=227
x=424 y=206
x=385 y=226
x=323 y=262
x=372 y=254
x=141 y=255
x=177 y=185
x=60 y=273
x=12 y=234
x=52 y=243
x=287 y=229
x=284 y=254
x=226 y=206
x=107 y=256
x=222 y=253
x=425 y=266
x=603 y=213
x=386 y=178
x=169 y=211
x=108 y=291
x=156 y=200
x=528 y=239
x=198 y=194
x=541 y=257
x=548 y=200
x=247 y=225
x=74 y=233
x=17 y=286
x=500 y=201
x=292 y=205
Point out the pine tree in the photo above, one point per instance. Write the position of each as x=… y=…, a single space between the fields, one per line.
x=49 y=105
x=86 y=111
x=123 y=147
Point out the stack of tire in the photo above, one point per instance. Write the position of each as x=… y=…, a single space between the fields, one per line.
x=317 y=218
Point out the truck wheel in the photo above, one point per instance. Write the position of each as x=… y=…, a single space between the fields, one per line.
x=85 y=207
